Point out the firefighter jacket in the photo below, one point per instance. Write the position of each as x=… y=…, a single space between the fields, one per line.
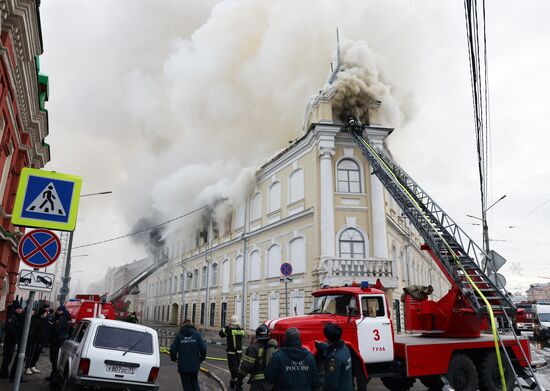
x=234 y=336
x=292 y=368
x=336 y=367
x=189 y=349
x=256 y=358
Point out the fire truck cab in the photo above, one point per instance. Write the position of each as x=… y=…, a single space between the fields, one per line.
x=88 y=306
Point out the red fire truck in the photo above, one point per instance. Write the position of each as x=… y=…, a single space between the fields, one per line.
x=88 y=306
x=451 y=346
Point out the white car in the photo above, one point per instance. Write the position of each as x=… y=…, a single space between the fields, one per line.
x=103 y=353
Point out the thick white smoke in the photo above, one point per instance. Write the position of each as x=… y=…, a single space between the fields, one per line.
x=235 y=91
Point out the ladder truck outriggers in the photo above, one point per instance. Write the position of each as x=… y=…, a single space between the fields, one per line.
x=457 y=344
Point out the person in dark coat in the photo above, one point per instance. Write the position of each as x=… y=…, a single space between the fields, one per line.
x=132 y=318
x=189 y=350
x=34 y=341
x=234 y=334
x=13 y=331
x=256 y=358
x=59 y=333
x=334 y=361
x=292 y=368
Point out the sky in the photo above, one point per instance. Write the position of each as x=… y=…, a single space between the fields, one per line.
x=171 y=104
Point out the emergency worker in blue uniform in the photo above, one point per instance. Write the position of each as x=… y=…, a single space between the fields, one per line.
x=189 y=350
x=292 y=368
x=334 y=361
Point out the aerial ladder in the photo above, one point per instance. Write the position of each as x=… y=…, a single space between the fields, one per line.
x=132 y=287
x=474 y=301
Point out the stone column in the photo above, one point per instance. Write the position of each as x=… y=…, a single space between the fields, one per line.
x=327 y=202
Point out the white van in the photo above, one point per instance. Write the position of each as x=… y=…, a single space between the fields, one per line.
x=103 y=353
x=541 y=321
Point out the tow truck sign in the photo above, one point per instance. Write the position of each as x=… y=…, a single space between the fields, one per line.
x=33 y=280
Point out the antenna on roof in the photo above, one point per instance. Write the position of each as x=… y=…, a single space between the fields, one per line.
x=336 y=69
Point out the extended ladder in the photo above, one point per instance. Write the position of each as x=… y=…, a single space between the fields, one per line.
x=439 y=231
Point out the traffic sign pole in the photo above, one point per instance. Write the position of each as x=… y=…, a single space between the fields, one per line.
x=24 y=338
x=67 y=275
x=286 y=271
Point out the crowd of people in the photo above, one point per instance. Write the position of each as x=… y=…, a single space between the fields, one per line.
x=48 y=327
x=269 y=367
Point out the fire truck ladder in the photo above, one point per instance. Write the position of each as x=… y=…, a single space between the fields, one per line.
x=459 y=255
x=130 y=287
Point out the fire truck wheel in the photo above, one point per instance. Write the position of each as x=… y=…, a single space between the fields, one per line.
x=489 y=375
x=462 y=374
x=432 y=382
x=398 y=383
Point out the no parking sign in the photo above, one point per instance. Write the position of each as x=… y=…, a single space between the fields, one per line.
x=39 y=248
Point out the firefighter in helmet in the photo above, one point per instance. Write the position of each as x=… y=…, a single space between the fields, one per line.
x=234 y=334
x=256 y=358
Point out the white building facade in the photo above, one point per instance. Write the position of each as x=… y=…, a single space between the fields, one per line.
x=315 y=205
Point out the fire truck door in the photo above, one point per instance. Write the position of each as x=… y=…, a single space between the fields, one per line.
x=374 y=332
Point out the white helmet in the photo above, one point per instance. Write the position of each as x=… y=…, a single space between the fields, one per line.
x=234 y=319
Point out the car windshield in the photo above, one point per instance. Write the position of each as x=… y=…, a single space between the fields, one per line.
x=333 y=304
x=123 y=339
x=544 y=317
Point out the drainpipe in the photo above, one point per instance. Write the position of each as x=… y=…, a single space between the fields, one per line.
x=208 y=244
x=245 y=249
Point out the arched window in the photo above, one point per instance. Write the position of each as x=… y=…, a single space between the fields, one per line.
x=255 y=265
x=296 y=185
x=352 y=244
x=256 y=207
x=274 y=197
x=204 y=277
x=196 y=279
x=348 y=176
x=297 y=249
x=238 y=269
x=225 y=276
x=182 y=282
x=175 y=285
x=273 y=260
x=214 y=277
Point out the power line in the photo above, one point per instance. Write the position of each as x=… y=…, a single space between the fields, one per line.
x=529 y=213
x=141 y=230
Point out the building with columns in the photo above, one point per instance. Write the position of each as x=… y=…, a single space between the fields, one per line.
x=23 y=122
x=315 y=205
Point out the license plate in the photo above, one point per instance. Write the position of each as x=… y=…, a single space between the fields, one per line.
x=121 y=370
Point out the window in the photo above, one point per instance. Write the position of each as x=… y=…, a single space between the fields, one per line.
x=214 y=277
x=333 y=304
x=239 y=217
x=175 y=285
x=297 y=255
x=185 y=312
x=256 y=207
x=296 y=185
x=372 y=307
x=212 y=313
x=274 y=197
x=239 y=269
x=196 y=279
x=189 y=280
x=273 y=260
x=254 y=313
x=204 y=276
x=193 y=313
x=273 y=308
x=255 y=266
x=223 y=314
x=225 y=276
x=348 y=176
x=297 y=305
x=202 y=313
x=352 y=244
x=116 y=338
x=182 y=282
x=79 y=332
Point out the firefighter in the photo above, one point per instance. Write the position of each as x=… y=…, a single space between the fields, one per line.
x=132 y=318
x=234 y=334
x=292 y=368
x=189 y=350
x=256 y=358
x=334 y=361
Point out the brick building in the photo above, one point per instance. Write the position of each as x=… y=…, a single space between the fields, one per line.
x=23 y=122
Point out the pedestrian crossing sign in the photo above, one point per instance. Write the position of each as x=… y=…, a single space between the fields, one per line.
x=46 y=199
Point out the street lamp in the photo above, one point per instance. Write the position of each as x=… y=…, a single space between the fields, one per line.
x=483 y=220
x=64 y=291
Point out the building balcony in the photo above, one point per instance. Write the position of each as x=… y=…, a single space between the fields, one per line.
x=340 y=271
